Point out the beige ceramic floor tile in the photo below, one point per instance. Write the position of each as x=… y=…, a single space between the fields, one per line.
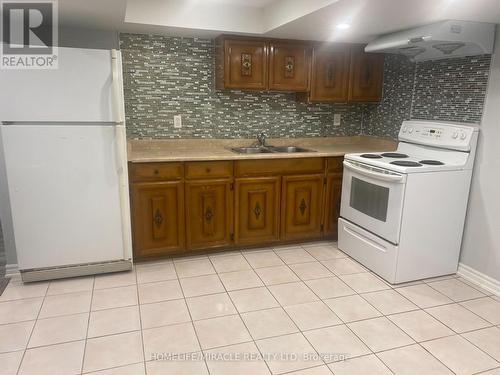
x=16 y=291
x=420 y=325
x=364 y=282
x=113 y=351
x=230 y=263
x=292 y=293
x=210 y=306
x=164 y=313
x=174 y=339
x=65 y=304
x=487 y=308
x=487 y=339
x=253 y=299
x=73 y=285
x=246 y=360
x=413 y=360
x=55 y=359
x=380 y=334
x=310 y=270
x=352 y=308
x=424 y=296
x=325 y=252
x=114 y=297
x=135 y=369
x=343 y=266
x=389 y=302
x=276 y=275
x=318 y=370
x=113 y=321
x=160 y=291
x=114 y=280
x=201 y=285
x=459 y=355
x=268 y=323
x=294 y=255
x=279 y=353
x=189 y=367
x=59 y=329
x=15 y=336
x=336 y=343
x=312 y=315
x=368 y=364
x=19 y=310
x=226 y=330
x=329 y=287
x=263 y=259
x=240 y=280
x=456 y=290
x=197 y=267
x=155 y=272
x=10 y=362
x=458 y=318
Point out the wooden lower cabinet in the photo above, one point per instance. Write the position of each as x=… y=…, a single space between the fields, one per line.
x=332 y=201
x=257 y=210
x=157 y=218
x=301 y=204
x=209 y=213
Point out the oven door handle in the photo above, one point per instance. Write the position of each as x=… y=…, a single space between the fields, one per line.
x=397 y=178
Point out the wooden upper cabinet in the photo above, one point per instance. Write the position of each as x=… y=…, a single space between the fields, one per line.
x=289 y=65
x=158 y=218
x=209 y=213
x=366 y=75
x=241 y=64
x=330 y=74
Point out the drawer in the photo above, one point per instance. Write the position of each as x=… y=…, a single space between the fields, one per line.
x=335 y=164
x=208 y=169
x=279 y=166
x=140 y=172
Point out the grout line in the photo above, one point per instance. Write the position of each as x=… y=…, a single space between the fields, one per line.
x=88 y=324
x=134 y=270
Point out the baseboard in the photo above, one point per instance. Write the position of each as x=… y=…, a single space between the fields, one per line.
x=484 y=281
x=11 y=270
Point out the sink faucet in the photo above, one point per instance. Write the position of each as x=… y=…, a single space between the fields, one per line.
x=261 y=139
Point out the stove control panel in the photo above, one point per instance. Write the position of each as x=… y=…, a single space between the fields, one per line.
x=437 y=134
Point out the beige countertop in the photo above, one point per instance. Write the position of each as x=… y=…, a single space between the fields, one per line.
x=159 y=150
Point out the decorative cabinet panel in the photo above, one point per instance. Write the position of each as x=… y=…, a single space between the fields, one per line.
x=289 y=65
x=366 y=76
x=257 y=216
x=301 y=206
x=332 y=204
x=329 y=74
x=241 y=64
x=209 y=213
x=158 y=218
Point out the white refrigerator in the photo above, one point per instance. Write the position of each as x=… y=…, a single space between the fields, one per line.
x=64 y=167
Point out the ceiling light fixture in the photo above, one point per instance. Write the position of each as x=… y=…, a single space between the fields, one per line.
x=343 y=26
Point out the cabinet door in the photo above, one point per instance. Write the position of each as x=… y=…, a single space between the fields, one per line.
x=366 y=76
x=330 y=74
x=257 y=210
x=245 y=64
x=332 y=204
x=301 y=206
x=209 y=213
x=289 y=66
x=158 y=218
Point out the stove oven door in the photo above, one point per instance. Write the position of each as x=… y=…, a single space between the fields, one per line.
x=373 y=199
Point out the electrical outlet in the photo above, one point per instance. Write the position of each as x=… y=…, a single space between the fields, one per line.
x=337 y=117
x=177 y=121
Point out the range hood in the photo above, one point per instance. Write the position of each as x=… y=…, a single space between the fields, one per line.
x=438 y=41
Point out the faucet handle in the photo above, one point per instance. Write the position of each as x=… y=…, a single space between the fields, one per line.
x=261 y=138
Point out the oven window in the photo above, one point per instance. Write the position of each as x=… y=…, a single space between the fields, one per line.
x=370 y=199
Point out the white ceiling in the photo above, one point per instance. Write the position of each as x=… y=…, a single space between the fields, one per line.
x=296 y=19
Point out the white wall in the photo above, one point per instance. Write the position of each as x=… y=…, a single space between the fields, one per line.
x=481 y=244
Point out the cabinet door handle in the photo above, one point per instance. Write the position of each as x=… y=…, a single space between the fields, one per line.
x=302 y=207
x=158 y=218
x=289 y=66
x=209 y=214
x=246 y=64
x=257 y=210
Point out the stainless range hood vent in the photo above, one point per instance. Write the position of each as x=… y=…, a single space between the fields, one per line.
x=438 y=41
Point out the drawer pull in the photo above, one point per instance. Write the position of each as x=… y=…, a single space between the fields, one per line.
x=208 y=170
x=156 y=171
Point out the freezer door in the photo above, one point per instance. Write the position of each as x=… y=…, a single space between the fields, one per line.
x=82 y=89
x=64 y=190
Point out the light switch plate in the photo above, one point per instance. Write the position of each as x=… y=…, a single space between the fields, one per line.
x=337 y=117
x=177 y=121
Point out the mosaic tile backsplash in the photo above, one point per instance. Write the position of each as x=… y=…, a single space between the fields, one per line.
x=165 y=76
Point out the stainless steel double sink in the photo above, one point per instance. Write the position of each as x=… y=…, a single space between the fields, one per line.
x=269 y=149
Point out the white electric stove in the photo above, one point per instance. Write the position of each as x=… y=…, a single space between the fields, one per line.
x=403 y=211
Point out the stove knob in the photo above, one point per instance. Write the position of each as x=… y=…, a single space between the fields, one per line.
x=463 y=135
x=455 y=135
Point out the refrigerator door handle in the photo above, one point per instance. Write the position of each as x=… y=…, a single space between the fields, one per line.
x=117 y=90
